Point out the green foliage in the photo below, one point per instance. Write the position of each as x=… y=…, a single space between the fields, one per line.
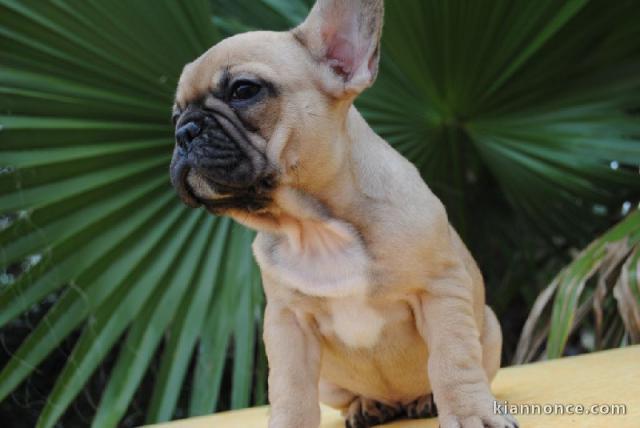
x=86 y=141
x=512 y=111
x=531 y=93
x=603 y=280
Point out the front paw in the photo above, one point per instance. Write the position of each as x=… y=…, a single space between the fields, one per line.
x=487 y=421
x=476 y=411
x=294 y=417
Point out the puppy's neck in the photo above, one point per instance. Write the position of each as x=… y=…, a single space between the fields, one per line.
x=310 y=250
x=320 y=221
x=316 y=240
x=337 y=196
x=299 y=216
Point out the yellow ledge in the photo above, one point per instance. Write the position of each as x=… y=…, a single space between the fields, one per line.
x=603 y=378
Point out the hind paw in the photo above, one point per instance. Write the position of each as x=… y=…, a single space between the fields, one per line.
x=365 y=413
x=423 y=407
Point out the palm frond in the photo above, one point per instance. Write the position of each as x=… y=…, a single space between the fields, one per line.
x=84 y=148
x=247 y=15
x=536 y=95
x=603 y=281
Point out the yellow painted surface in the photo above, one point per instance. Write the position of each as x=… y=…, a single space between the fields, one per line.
x=604 y=378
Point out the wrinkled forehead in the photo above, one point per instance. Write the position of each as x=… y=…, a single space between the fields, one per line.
x=269 y=56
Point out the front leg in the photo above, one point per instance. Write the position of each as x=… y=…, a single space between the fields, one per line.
x=293 y=353
x=458 y=380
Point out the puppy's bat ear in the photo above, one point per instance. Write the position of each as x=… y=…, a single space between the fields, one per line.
x=344 y=36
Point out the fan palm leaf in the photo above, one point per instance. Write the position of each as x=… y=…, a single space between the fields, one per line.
x=85 y=144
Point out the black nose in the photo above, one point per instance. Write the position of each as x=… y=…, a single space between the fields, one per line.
x=187 y=133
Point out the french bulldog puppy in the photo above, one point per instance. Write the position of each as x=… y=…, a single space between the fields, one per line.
x=374 y=304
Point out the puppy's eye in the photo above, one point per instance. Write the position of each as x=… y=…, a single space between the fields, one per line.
x=244 y=90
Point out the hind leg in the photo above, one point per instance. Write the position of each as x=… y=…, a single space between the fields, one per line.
x=359 y=412
x=334 y=396
x=422 y=408
x=364 y=413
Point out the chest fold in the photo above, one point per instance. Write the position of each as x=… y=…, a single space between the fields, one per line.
x=318 y=258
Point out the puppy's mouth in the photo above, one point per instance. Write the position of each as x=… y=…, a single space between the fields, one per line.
x=196 y=190
x=216 y=164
